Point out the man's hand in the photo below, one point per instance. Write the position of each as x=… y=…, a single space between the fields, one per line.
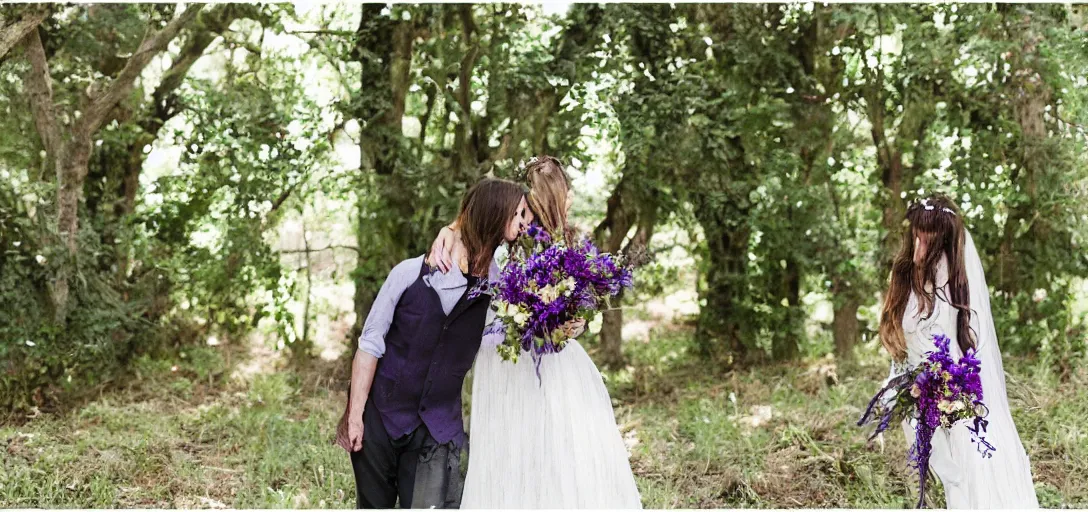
x=349 y=433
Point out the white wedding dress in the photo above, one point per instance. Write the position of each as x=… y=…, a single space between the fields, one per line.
x=971 y=481
x=550 y=443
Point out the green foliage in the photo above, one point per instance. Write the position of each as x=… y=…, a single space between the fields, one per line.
x=798 y=133
x=41 y=362
x=162 y=253
x=782 y=140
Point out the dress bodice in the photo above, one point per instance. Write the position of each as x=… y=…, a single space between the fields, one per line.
x=920 y=329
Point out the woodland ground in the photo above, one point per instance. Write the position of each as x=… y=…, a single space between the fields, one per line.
x=229 y=427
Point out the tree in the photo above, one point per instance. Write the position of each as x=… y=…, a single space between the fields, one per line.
x=16 y=23
x=68 y=136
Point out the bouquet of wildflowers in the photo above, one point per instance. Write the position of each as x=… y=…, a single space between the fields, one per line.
x=547 y=283
x=937 y=393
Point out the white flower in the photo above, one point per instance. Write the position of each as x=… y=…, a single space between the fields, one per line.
x=520 y=318
x=549 y=293
x=40 y=259
x=594 y=325
x=1040 y=295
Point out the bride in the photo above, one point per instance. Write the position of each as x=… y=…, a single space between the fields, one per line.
x=549 y=442
x=938 y=287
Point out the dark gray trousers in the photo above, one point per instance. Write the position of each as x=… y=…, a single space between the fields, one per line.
x=414 y=468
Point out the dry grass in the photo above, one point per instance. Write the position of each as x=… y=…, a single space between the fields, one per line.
x=779 y=436
x=784 y=436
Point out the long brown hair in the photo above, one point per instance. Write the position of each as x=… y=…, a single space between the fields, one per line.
x=485 y=212
x=548 y=186
x=938 y=220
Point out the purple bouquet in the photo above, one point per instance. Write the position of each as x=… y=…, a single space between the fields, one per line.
x=547 y=283
x=937 y=393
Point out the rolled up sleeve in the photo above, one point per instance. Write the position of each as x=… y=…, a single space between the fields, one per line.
x=372 y=340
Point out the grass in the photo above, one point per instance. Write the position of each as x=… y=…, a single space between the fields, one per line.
x=185 y=435
x=784 y=436
x=174 y=441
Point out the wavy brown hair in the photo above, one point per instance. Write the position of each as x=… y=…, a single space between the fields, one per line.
x=939 y=221
x=485 y=212
x=548 y=186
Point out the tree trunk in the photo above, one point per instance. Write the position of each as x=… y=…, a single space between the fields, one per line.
x=787 y=341
x=70 y=149
x=384 y=228
x=627 y=207
x=1032 y=95
x=845 y=327
x=611 y=355
x=722 y=318
x=302 y=349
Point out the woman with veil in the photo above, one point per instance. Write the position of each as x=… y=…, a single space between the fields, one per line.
x=938 y=287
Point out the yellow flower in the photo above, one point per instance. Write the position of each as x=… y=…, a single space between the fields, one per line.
x=548 y=294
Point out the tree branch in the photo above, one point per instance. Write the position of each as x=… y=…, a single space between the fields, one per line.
x=11 y=35
x=328 y=248
x=248 y=46
x=283 y=197
x=121 y=86
x=39 y=87
x=208 y=26
x=341 y=33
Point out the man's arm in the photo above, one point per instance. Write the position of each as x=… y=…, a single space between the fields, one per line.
x=349 y=433
x=376 y=327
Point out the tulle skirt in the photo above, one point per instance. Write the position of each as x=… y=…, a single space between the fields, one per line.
x=545 y=444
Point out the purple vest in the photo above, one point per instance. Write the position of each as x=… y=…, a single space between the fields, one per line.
x=427 y=354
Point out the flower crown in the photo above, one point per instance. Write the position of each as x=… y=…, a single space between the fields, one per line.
x=522 y=171
x=924 y=203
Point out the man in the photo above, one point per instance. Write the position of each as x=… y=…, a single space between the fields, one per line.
x=403 y=424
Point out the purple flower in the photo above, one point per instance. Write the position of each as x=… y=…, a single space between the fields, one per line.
x=545 y=284
x=937 y=393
